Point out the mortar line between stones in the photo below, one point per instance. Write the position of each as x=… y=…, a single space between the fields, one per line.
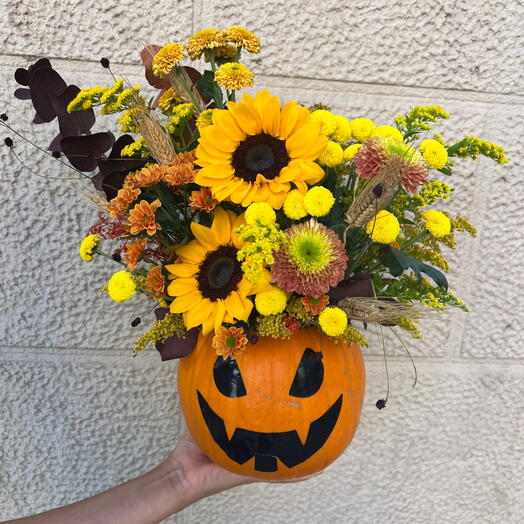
x=13 y=353
x=327 y=83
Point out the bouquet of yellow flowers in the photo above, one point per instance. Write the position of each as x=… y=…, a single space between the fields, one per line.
x=250 y=223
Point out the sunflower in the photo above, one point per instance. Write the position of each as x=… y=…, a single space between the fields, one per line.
x=255 y=149
x=208 y=283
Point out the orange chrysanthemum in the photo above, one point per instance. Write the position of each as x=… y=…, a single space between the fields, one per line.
x=315 y=305
x=203 y=199
x=185 y=158
x=121 y=202
x=179 y=174
x=133 y=252
x=142 y=218
x=148 y=176
x=229 y=341
x=155 y=282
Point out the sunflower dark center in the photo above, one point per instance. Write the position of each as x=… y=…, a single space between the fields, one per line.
x=262 y=154
x=219 y=273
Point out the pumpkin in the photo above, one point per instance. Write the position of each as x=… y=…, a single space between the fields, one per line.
x=281 y=409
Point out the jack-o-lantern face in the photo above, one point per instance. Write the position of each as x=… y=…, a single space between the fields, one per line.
x=281 y=409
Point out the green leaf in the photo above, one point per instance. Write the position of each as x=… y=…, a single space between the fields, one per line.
x=397 y=262
x=207 y=85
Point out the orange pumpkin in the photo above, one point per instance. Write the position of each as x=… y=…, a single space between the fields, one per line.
x=282 y=409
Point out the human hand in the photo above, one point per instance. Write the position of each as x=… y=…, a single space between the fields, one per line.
x=200 y=477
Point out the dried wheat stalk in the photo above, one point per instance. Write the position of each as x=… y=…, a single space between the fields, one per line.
x=376 y=195
x=88 y=192
x=373 y=310
x=155 y=137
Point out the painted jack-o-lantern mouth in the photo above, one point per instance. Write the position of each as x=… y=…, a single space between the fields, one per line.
x=267 y=447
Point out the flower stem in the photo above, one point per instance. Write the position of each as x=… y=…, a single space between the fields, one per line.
x=414 y=240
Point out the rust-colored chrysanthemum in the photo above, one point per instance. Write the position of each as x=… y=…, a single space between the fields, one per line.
x=205 y=39
x=133 y=253
x=142 y=218
x=312 y=260
x=121 y=202
x=315 y=305
x=155 y=281
x=203 y=200
x=229 y=341
x=375 y=153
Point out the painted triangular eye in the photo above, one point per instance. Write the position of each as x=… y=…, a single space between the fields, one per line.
x=309 y=375
x=228 y=378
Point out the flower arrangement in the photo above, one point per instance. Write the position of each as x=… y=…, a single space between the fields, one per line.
x=246 y=217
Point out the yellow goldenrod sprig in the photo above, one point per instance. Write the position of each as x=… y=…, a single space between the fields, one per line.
x=472 y=146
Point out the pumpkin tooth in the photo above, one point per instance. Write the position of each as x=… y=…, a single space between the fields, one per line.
x=302 y=431
x=230 y=427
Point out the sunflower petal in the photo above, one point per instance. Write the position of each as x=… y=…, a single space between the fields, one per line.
x=288 y=117
x=225 y=121
x=247 y=120
x=193 y=252
x=197 y=315
x=306 y=143
x=204 y=235
x=221 y=227
x=234 y=305
x=207 y=325
x=182 y=286
x=185 y=302
x=218 y=313
x=182 y=270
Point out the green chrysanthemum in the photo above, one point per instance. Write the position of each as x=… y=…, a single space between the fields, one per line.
x=311 y=261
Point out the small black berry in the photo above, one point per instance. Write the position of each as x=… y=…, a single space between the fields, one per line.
x=117 y=257
x=381 y=404
x=8 y=141
x=136 y=321
x=377 y=190
x=3 y=116
x=105 y=62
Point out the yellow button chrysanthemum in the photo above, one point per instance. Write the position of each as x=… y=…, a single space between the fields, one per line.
x=255 y=150
x=318 y=201
x=386 y=130
x=88 y=247
x=333 y=321
x=121 y=286
x=271 y=302
x=351 y=151
x=435 y=153
x=260 y=212
x=437 y=223
x=333 y=155
x=383 y=228
x=342 y=132
x=294 y=205
x=361 y=128
x=326 y=120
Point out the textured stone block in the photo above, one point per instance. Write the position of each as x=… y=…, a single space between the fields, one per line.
x=467 y=45
x=91 y=29
x=77 y=422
